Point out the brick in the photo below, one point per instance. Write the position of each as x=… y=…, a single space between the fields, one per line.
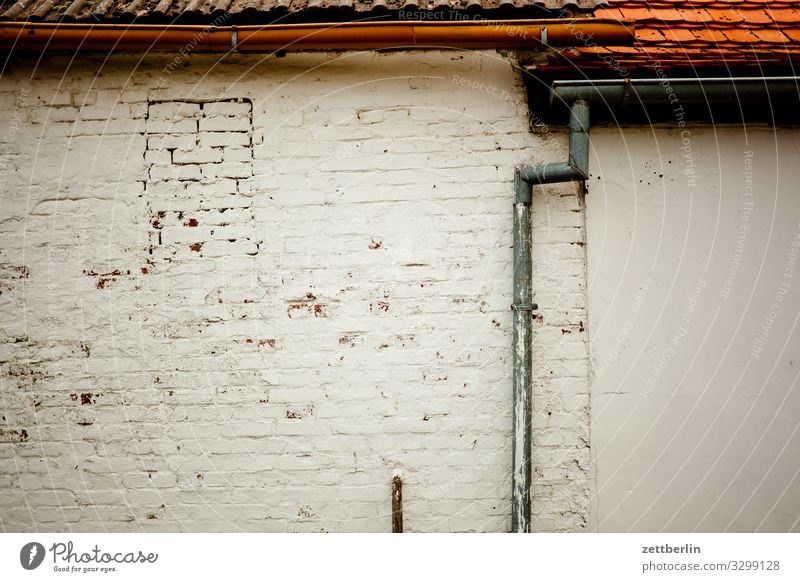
x=228 y=216
x=175 y=172
x=217 y=139
x=227 y=170
x=233 y=154
x=158 y=157
x=198 y=155
x=138 y=110
x=223 y=200
x=57 y=98
x=227 y=109
x=224 y=124
x=218 y=248
x=218 y=186
x=183 y=142
x=171 y=126
x=56 y=114
x=116 y=111
x=235 y=231
x=174 y=111
x=177 y=235
x=105 y=127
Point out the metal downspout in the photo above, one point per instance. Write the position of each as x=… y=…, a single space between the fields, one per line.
x=576 y=169
x=522 y=306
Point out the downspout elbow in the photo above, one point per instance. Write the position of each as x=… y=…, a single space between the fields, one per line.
x=551 y=173
x=576 y=169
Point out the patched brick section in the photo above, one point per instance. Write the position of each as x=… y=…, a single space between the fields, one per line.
x=197 y=154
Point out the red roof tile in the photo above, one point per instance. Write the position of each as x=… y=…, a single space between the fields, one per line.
x=700 y=33
x=263 y=11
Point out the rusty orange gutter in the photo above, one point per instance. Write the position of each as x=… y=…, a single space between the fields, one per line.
x=40 y=37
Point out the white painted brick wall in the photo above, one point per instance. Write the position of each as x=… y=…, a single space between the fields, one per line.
x=241 y=299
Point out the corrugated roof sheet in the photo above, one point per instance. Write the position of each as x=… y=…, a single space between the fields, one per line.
x=700 y=33
x=257 y=10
